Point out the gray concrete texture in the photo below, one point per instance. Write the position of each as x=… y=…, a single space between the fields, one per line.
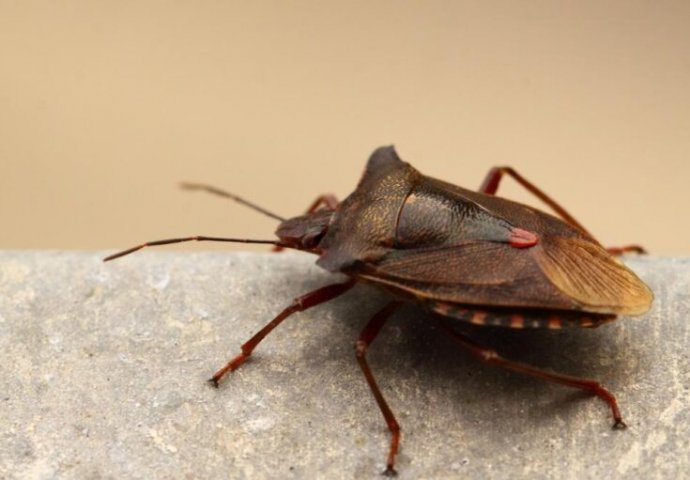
x=103 y=372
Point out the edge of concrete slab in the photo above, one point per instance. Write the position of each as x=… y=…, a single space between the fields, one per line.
x=103 y=370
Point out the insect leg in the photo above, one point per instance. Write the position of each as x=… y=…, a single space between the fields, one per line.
x=366 y=337
x=493 y=178
x=618 y=251
x=490 y=186
x=327 y=199
x=491 y=356
x=299 y=304
x=222 y=193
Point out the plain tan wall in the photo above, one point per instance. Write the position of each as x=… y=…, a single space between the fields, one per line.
x=106 y=106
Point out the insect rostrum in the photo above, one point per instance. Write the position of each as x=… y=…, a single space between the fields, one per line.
x=468 y=256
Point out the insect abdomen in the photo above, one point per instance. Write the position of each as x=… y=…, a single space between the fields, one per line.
x=519 y=318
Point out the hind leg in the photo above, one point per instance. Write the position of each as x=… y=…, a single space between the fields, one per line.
x=493 y=179
x=489 y=355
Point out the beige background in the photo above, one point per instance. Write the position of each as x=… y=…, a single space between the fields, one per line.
x=106 y=106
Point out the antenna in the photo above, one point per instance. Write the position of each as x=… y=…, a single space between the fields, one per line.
x=197 y=238
x=201 y=238
x=232 y=196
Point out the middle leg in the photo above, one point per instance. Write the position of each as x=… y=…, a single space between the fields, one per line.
x=366 y=337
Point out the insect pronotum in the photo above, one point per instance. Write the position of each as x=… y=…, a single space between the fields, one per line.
x=468 y=256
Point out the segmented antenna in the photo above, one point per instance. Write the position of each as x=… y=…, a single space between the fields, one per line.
x=197 y=238
x=232 y=196
x=201 y=238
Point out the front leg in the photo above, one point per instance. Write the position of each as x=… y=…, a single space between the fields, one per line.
x=299 y=304
x=327 y=199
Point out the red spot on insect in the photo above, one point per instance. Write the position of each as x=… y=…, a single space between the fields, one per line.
x=517 y=321
x=479 y=318
x=586 y=322
x=520 y=238
x=442 y=308
x=555 y=322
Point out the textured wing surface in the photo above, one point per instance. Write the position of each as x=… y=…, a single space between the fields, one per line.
x=563 y=273
x=591 y=276
x=475 y=273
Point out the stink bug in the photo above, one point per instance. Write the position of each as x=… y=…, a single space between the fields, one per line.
x=468 y=256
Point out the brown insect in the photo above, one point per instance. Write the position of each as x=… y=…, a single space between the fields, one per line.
x=469 y=256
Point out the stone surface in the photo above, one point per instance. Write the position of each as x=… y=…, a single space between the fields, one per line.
x=103 y=370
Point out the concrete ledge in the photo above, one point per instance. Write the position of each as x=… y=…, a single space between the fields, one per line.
x=103 y=370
